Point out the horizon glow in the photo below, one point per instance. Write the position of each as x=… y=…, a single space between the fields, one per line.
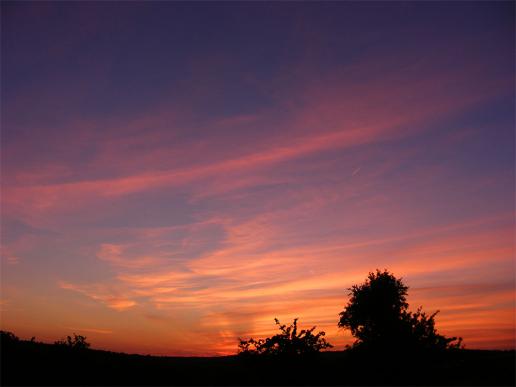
x=175 y=176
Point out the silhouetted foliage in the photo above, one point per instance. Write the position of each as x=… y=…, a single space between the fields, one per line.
x=287 y=343
x=377 y=315
x=78 y=342
x=24 y=363
x=8 y=337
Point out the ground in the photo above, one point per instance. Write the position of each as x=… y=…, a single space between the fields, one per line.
x=26 y=363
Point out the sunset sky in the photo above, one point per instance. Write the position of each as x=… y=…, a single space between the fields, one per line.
x=176 y=175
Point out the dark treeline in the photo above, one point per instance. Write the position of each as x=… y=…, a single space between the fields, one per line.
x=393 y=346
x=377 y=315
x=32 y=363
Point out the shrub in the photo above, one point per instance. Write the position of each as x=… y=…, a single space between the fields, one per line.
x=289 y=342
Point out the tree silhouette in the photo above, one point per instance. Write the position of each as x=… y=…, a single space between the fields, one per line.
x=78 y=342
x=378 y=317
x=8 y=337
x=287 y=343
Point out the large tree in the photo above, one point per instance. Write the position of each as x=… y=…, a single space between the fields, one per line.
x=377 y=315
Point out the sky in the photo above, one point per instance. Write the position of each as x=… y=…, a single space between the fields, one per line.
x=176 y=175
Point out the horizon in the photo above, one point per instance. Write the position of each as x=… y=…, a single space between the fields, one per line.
x=177 y=175
x=92 y=347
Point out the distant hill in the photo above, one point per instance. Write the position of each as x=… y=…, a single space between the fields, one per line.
x=33 y=363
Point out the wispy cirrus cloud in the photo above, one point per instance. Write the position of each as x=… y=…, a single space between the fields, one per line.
x=106 y=294
x=182 y=207
x=260 y=280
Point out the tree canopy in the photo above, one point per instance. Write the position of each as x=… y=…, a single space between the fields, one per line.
x=377 y=315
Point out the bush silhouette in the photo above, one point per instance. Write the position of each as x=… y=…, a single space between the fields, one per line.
x=287 y=343
x=6 y=336
x=78 y=342
x=378 y=317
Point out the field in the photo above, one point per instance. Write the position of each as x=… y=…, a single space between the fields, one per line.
x=28 y=363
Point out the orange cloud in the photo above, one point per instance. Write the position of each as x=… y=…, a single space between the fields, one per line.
x=104 y=294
